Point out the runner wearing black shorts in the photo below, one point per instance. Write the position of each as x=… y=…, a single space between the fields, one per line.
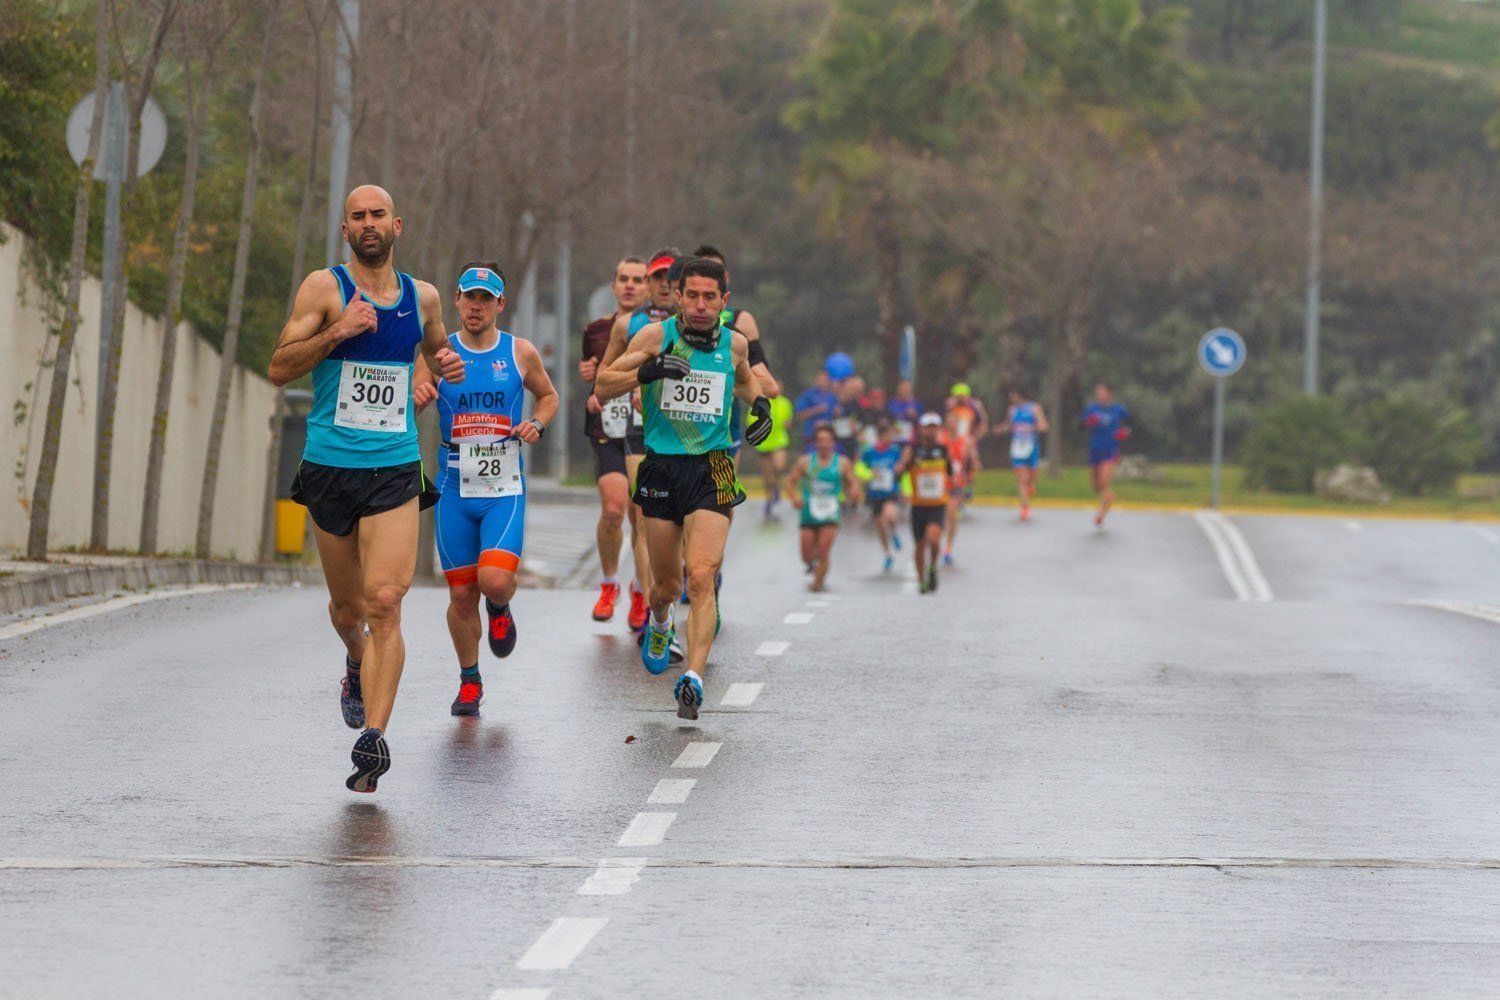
x=931 y=470
x=606 y=426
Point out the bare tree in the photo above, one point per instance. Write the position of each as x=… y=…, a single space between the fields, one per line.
x=315 y=23
x=230 y=347
x=57 y=398
x=203 y=30
x=137 y=90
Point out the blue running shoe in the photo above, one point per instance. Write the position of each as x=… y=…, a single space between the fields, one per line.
x=947 y=558
x=895 y=541
x=352 y=702
x=372 y=758
x=689 y=695
x=656 y=649
x=890 y=561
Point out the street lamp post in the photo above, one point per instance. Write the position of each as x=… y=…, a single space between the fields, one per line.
x=1315 y=203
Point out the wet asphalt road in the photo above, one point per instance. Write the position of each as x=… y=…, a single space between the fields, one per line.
x=1083 y=768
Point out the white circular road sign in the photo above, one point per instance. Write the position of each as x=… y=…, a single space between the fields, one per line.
x=153 y=141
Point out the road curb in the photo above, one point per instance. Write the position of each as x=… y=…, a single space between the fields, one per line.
x=50 y=586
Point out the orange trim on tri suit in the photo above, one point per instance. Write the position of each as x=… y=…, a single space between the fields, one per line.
x=462 y=576
x=507 y=561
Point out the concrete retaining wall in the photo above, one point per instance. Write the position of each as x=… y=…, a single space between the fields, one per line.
x=25 y=347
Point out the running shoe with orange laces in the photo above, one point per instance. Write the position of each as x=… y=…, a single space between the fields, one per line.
x=470 y=697
x=502 y=628
x=639 y=609
x=604 y=608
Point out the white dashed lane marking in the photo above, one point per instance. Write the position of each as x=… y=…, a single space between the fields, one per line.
x=740 y=695
x=561 y=943
x=614 y=877
x=671 y=791
x=772 y=648
x=696 y=755
x=647 y=829
x=527 y=994
x=798 y=618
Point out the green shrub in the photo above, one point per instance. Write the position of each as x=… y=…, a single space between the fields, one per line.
x=1290 y=442
x=1418 y=443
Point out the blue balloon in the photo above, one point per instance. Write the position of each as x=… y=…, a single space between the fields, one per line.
x=839 y=366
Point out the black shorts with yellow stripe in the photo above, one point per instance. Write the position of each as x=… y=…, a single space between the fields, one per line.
x=670 y=487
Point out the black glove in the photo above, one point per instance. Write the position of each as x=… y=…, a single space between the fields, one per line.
x=662 y=366
x=759 y=427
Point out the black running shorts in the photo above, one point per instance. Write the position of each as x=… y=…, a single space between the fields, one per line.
x=670 y=487
x=338 y=498
x=921 y=517
x=609 y=456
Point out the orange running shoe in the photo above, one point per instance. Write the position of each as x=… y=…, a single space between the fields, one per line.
x=604 y=608
x=639 y=610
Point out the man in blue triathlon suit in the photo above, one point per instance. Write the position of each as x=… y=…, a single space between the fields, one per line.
x=481 y=512
x=1108 y=424
x=356 y=328
x=1025 y=422
x=689 y=368
x=882 y=458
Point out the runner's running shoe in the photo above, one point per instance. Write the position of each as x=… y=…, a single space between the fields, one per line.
x=895 y=541
x=372 y=758
x=352 y=702
x=890 y=561
x=604 y=608
x=639 y=610
x=502 y=628
x=656 y=647
x=948 y=558
x=689 y=695
x=931 y=579
x=470 y=697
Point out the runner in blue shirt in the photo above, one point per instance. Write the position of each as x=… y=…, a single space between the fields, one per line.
x=1108 y=423
x=815 y=406
x=1025 y=422
x=481 y=513
x=884 y=490
x=905 y=410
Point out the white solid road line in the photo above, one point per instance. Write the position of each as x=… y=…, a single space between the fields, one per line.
x=30 y=625
x=772 y=648
x=671 y=791
x=561 y=943
x=1484 y=612
x=646 y=829
x=614 y=877
x=1486 y=534
x=697 y=755
x=1235 y=557
x=798 y=618
x=740 y=695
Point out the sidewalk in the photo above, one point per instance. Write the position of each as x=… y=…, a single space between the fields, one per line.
x=25 y=585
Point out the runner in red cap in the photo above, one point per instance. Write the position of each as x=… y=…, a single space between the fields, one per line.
x=606 y=427
x=658 y=307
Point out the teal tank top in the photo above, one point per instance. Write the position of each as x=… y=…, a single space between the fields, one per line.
x=362 y=415
x=691 y=416
x=821 y=488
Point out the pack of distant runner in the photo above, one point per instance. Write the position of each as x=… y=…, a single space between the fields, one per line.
x=679 y=383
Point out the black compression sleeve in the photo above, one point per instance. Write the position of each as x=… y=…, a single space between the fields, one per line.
x=756 y=354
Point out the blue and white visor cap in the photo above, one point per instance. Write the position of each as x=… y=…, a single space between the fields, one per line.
x=481 y=278
x=931 y=420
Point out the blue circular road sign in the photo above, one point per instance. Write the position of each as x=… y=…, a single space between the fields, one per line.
x=1221 y=352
